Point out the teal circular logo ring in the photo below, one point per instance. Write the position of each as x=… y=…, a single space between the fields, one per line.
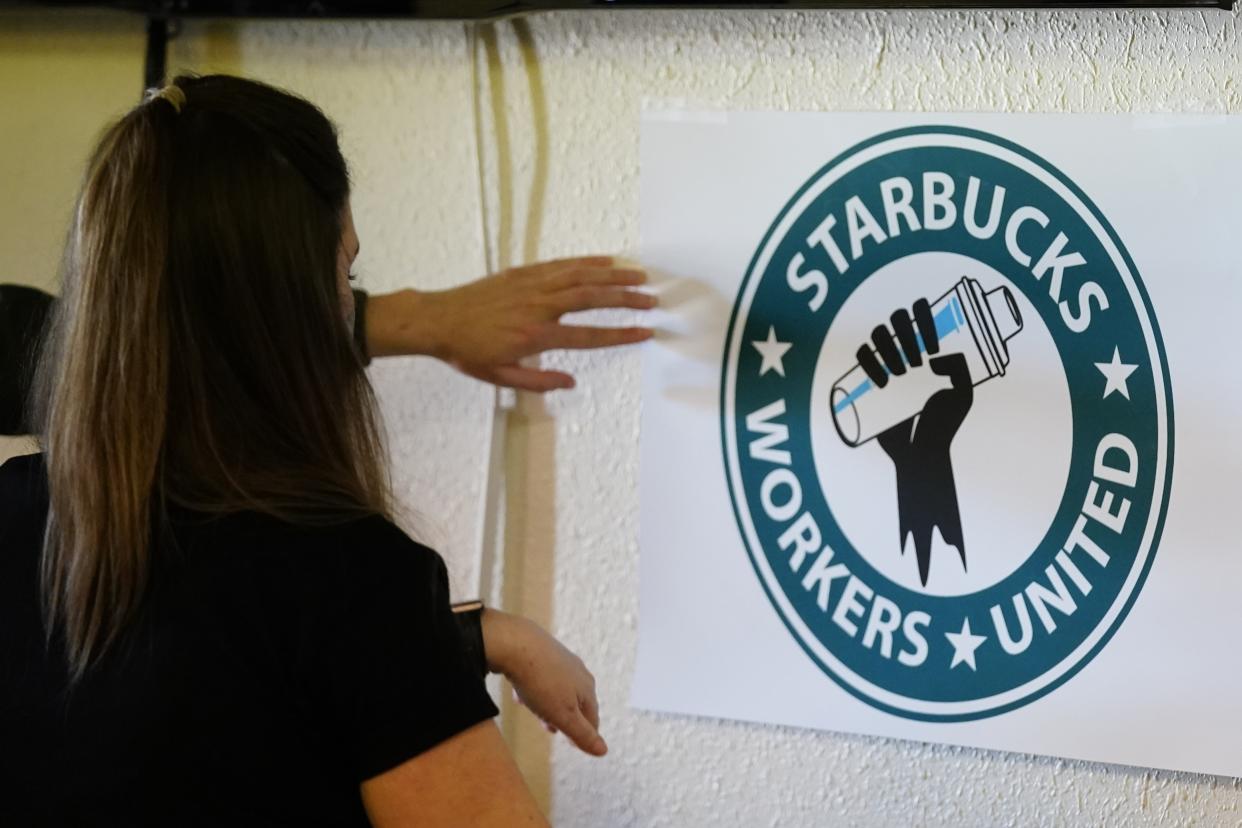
x=947 y=423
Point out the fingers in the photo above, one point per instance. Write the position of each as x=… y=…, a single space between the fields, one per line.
x=927 y=326
x=582 y=337
x=529 y=379
x=584 y=734
x=580 y=276
x=887 y=349
x=871 y=366
x=588 y=703
x=885 y=358
x=590 y=707
x=903 y=328
x=953 y=366
x=949 y=407
x=570 y=262
x=595 y=297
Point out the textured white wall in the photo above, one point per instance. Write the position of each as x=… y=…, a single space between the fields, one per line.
x=559 y=101
x=61 y=76
x=595 y=71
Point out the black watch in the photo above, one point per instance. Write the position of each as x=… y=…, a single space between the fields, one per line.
x=469 y=616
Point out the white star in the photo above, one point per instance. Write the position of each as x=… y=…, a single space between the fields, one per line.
x=772 y=351
x=964 y=645
x=1115 y=375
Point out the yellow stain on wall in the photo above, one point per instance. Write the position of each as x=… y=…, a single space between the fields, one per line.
x=205 y=48
x=63 y=76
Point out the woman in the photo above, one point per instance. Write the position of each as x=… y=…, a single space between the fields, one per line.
x=209 y=615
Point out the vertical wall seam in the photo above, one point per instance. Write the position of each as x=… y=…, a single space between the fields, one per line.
x=504 y=148
x=533 y=230
x=513 y=510
x=472 y=49
x=529 y=581
x=491 y=520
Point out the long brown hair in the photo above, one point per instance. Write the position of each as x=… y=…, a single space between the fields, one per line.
x=198 y=357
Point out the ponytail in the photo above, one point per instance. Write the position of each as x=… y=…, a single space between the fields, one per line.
x=105 y=378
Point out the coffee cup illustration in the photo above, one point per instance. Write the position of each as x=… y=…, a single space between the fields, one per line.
x=968 y=321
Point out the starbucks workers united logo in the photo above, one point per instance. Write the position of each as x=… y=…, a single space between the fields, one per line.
x=947 y=423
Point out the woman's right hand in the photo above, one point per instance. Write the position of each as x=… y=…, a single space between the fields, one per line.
x=549 y=679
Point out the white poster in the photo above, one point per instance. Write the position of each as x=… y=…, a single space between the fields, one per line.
x=940 y=434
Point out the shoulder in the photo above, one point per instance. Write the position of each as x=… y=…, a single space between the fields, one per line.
x=23 y=311
x=23 y=517
x=366 y=555
x=23 y=488
x=374 y=536
x=19 y=302
x=366 y=542
x=23 y=469
x=374 y=552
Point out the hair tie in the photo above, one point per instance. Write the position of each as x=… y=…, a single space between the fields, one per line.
x=172 y=93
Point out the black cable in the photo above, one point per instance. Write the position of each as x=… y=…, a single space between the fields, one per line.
x=157 y=52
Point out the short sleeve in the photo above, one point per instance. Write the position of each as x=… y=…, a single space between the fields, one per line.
x=397 y=675
x=23 y=312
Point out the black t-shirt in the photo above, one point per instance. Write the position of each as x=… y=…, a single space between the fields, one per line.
x=23 y=311
x=272 y=670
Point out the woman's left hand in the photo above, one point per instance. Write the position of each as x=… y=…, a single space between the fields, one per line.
x=485 y=328
x=546 y=676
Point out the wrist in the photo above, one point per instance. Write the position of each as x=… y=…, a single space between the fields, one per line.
x=405 y=323
x=503 y=634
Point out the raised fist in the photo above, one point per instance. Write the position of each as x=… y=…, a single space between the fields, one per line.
x=919 y=445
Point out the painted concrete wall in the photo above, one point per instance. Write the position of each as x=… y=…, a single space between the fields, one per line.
x=558 y=98
x=61 y=76
x=595 y=72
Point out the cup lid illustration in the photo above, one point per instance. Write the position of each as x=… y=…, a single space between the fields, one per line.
x=1005 y=313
